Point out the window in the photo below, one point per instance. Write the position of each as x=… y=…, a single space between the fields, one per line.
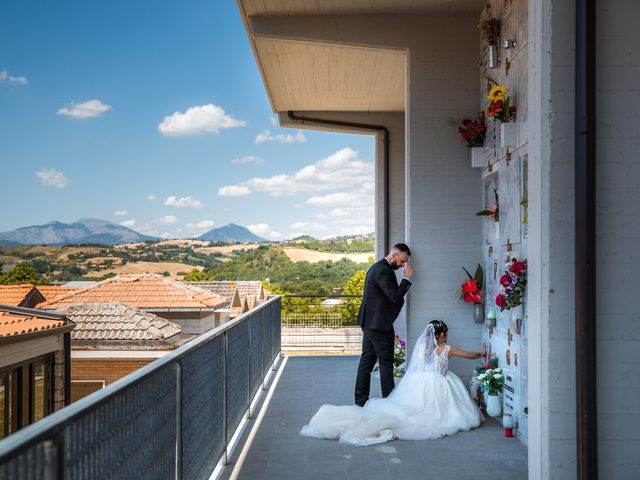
x=26 y=393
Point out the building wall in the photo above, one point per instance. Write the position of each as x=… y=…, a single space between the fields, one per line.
x=618 y=237
x=191 y=322
x=551 y=287
x=108 y=370
x=442 y=188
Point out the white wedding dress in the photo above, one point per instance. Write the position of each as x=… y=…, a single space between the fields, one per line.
x=428 y=403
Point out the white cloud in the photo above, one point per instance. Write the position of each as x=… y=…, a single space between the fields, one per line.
x=250 y=159
x=203 y=224
x=307 y=226
x=265 y=231
x=267 y=136
x=166 y=220
x=234 y=191
x=342 y=170
x=120 y=213
x=50 y=177
x=128 y=223
x=335 y=199
x=84 y=110
x=183 y=202
x=198 y=120
x=151 y=197
x=11 y=80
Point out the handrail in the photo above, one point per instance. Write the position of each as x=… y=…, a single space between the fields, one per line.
x=53 y=424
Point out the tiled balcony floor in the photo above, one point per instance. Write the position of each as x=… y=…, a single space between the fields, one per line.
x=279 y=452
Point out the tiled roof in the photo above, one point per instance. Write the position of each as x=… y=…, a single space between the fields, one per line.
x=117 y=321
x=141 y=291
x=248 y=287
x=222 y=288
x=12 y=324
x=15 y=295
x=50 y=292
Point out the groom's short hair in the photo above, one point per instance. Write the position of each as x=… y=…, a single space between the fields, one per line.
x=402 y=248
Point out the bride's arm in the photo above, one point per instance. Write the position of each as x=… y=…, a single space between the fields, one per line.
x=458 y=352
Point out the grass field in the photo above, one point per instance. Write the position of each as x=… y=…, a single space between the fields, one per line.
x=304 y=255
x=150 y=267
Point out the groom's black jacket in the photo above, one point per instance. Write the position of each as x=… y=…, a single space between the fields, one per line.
x=383 y=297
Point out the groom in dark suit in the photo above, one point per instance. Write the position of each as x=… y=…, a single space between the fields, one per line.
x=381 y=304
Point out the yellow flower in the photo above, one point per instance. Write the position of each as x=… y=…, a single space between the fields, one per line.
x=497 y=93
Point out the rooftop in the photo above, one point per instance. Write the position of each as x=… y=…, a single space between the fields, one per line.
x=20 y=295
x=13 y=324
x=117 y=321
x=222 y=288
x=141 y=291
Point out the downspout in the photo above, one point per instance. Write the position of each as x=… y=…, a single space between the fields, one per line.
x=385 y=140
x=585 y=213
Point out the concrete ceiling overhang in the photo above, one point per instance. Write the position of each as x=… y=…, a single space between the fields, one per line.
x=304 y=69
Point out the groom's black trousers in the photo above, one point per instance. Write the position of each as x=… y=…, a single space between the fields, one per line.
x=376 y=345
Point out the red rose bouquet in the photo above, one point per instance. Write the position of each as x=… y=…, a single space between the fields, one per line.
x=473 y=131
x=514 y=283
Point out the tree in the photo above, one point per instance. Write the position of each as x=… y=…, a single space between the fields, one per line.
x=354 y=286
x=195 y=275
x=21 y=273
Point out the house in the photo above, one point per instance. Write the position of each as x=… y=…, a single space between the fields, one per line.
x=34 y=365
x=194 y=309
x=113 y=339
x=221 y=288
x=249 y=292
x=28 y=295
x=23 y=295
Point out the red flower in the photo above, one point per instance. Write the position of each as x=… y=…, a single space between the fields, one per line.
x=518 y=267
x=505 y=280
x=470 y=286
x=473 y=297
x=501 y=301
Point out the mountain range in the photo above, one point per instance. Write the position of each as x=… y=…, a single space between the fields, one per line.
x=93 y=230
x=231 y=233
x=85 y=230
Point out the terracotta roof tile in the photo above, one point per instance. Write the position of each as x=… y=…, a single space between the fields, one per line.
x=14 y=294
x=117 y=321
x=222 y=288
x=141 y=291
x=50 y=292
x=12 y=324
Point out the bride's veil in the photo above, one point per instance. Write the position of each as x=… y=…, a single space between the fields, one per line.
x=424 y=355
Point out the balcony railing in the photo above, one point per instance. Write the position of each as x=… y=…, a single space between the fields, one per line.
x=173 y=418
x=323 y=324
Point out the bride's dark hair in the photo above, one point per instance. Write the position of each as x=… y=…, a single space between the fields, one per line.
x=439 y=327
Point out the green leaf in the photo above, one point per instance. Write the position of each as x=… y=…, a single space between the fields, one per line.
x=467 y=272
x=479 y=276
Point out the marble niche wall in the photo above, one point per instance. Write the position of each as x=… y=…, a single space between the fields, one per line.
x=505 y=171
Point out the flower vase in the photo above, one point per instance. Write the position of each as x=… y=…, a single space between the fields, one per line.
x=494 y=408
x=517 y=312
x=477 y=157
x=508 y=134
x=505 y=315
x=478 y=313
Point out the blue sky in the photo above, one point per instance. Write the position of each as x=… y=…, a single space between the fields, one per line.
x=135 y=112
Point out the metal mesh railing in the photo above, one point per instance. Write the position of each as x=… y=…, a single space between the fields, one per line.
x=171 y=419
x=321 y=324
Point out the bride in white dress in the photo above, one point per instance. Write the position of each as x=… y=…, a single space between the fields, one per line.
x=429 y=402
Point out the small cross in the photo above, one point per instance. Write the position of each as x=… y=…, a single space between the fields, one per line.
x=509 y=336
x=508 y=156
x=490 y=250
x=508 y=245
x=490 y=332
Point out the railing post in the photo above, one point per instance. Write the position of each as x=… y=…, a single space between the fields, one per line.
x=225 y=351
x=264 y=335
x=178 y=474
x=249 y=413
x=58 y=444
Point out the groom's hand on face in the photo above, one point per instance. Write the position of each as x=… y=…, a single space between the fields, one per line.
x=408 y=270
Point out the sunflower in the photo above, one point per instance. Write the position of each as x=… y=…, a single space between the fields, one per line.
x=497 y=93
